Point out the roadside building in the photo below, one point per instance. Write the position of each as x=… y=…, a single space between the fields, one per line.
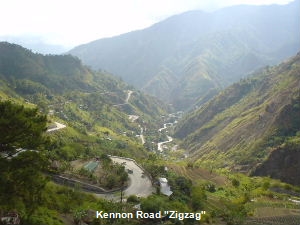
x=12 y=218
x=165 y=188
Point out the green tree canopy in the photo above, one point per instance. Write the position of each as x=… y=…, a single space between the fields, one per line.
x=20 y=126
x=22 y=181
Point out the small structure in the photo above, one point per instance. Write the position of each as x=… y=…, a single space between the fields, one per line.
x=91 y=166
x=297 y=202
x=51 y=112
x=89 y=216
x=12 y=218
x=55 y=126
x=55 y=165
x=164 y=186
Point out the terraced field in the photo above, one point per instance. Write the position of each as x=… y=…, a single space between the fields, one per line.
x=275 y=220
x=197 y=174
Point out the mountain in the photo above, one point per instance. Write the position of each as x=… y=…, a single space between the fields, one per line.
x=253 y=126
x=185 y=57
x=35 y=43
x=96 y=105
x=95 y=108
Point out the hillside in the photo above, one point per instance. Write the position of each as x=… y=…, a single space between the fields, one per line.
x=61 y=123
x=186 y=56
x=94 y=105
x=252 y=126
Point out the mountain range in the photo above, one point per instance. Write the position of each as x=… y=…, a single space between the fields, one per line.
x=35 y=44
x=95 y=105
x=186 y=59
x=66 y=122
x=252 y=126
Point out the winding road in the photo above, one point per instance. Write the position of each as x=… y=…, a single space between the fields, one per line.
x=160 y=144
x=139 y=182
x=142 y=135
x=165 y=127
x=170 y=139
x=129 y=93
x=58 y=126
x=139 y=185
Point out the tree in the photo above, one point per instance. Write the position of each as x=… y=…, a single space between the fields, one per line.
x=198 y=197
x=184 y=185
x=111 y=181
x=22 y=180
x=20 y=126
x=153 y=204
x=234 y=213
x=133 y=199
x=78 y=215
x=105 y=160
x=235 y=182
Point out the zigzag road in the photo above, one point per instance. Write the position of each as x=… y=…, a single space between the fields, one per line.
x=140 y=184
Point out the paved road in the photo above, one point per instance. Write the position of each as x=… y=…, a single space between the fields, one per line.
x=129 y=93
x=58 y=127
x=170 y=139
x=142 y=135
x=165 y=127
x=139 y=183
x=160 y=144
x=128 y=96
x=133 y=118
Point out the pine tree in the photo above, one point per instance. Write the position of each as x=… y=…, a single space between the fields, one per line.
x=20 y=127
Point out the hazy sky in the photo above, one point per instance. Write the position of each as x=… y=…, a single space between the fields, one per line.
x=73 y=22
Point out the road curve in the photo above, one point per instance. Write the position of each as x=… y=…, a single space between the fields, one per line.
x=58 y=127
x=160 y=144
x=129 y=93
x=140 y=184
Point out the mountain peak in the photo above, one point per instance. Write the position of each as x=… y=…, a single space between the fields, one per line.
x=186 y=56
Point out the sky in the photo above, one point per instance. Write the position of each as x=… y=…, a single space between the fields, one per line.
x=73 y=22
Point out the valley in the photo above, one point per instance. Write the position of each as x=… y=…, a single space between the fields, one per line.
x=188 y=58
x=207 y=121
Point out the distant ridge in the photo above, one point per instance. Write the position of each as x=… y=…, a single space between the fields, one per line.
x=72 y=93
x=253 y=126
x=191 y=56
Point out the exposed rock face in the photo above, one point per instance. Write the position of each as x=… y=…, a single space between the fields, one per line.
x=283 y=163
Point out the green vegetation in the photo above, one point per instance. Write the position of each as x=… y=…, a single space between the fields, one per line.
x=95 y=106
x=188 y=58
x=22 y=182
x=20 y=127
x=247 y=123
x=235 y=198
x=92 y=104
x=21 y=179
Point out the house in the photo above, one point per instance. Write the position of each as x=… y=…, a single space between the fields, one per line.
x=55 y=165
x=165 y=188
x=11 y=218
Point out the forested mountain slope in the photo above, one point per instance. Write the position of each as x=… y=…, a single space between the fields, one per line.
x=186 y=56
x=95 y=104
x=96 y=109
x=252 y=122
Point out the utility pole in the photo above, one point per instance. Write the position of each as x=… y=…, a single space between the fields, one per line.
x=122 y=192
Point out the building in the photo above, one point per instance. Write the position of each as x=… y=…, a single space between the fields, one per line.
x=165 y=188
x=11 y=218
